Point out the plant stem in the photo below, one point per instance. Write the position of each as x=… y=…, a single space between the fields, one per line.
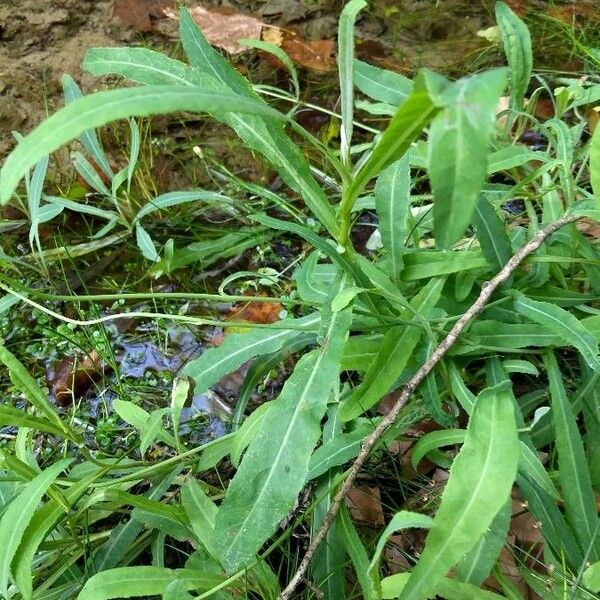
x=487 y=289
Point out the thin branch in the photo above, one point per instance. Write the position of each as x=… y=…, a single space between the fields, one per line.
x=487 y=289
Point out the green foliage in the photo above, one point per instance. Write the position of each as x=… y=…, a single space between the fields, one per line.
x=441 y=178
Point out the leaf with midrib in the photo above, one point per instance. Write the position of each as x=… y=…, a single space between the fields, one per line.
x=380 y=84
x=128 y=582
x=481 y=479
x=101 y=108
x=394 y=353
x=237 y=348
x=563 y=324
x=458 y=145
x=275 y=465
x=573 y=473
x=392 y=202
x=18 y=515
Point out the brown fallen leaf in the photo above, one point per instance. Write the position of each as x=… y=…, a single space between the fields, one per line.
x=261 y=313
x=70 y=378
x=141 y=14
x=364 y=503
x=316 y=55
x=224 y=28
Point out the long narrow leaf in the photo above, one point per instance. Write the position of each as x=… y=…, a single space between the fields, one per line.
x=576 y=486
x=563 y=324
x=458 y=140
x=392 y=201
x=517 y=47
x=102 y=108
x=346 y=73
x=275 y=466
x=480 y=482
x=127 y=582
x=18 y=515
x=237 y=348
x=396 y=349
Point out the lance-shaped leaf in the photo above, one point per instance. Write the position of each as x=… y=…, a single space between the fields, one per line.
x=406 y=125
x=32 y=391
x=380 y=84
x=494 y=242
x=18 y=515
x=477 y=564
x=346 y=73
x=563 y=324
x=394 y=353
x=127 y=582
x=517 y=47
x=101 y=108
x=576 y=486
x=458 y=147
x=392 y=201
x=480 y=482
x=275 y=465
x=237 y=348
x=267 y=138
x=401 y=520
x=328 y=566
x=42 y=522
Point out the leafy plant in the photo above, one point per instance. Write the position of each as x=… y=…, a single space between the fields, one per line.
x=440 y=177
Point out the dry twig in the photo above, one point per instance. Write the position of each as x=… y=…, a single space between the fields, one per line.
x=487 y=290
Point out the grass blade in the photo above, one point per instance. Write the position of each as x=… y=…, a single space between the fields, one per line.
x=480 y=481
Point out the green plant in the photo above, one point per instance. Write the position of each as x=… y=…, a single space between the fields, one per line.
x=461 y=292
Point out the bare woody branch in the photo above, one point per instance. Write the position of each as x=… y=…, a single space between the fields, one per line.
x=408 y=389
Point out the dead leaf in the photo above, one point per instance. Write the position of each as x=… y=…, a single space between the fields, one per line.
x=141 y=14
x=272 y=35
x=72 y=377
x=261 y=313
x=575 y=11
x=224 y=28
x=396 y=552
x=364 y=503
x=316 y=55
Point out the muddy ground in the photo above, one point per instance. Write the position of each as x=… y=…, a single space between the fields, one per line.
x=39 y=41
